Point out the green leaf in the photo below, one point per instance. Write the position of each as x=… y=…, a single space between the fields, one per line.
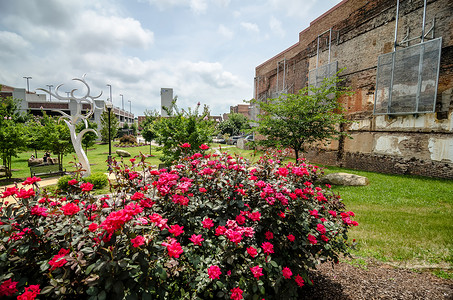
x=89 y=269
x=273 y=263
x=102 y=295
x=92 y=291
x=46 y=290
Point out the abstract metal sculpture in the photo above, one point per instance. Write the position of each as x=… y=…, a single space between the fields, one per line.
x=71 y=120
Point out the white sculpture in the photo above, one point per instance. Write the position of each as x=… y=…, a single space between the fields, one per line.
x=71 y=121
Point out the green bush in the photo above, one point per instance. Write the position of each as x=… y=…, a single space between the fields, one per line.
x=128 y=139
x=98 y=179
x=62 y=183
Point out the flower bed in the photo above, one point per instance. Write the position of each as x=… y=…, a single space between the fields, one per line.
x=212 y=226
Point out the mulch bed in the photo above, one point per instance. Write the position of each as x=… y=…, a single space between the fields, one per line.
x=375 y=281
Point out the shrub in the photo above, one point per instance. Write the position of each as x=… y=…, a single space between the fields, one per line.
x=98 y=179
x=128 y=139
x=212 y=226
x=62 y=183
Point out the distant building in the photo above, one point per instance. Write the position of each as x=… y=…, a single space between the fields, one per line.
x=166 y=98
x=37 y=103
x=243 y=109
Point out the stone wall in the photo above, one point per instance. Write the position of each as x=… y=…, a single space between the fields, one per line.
x=419 y=144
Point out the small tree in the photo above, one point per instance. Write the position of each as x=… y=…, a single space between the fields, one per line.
x=90 y=137
x=12 y=132
x=298 y=120
x=183 y=127
x=148 y=131
x=114 y=125
x=56 y=138
x=235 y=124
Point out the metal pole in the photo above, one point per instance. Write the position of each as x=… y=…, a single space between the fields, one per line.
x=330 y=42
x=27 y=78
x=423 y=25
x=278 y=69
x=122 y=101
x=130 y=107
x=110 y=140
x=317 y=54
x=396 y=24
x=50 y=90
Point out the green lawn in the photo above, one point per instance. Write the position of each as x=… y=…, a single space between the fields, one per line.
x=403 y=219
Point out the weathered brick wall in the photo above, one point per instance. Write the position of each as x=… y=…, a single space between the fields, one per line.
x=361 y=31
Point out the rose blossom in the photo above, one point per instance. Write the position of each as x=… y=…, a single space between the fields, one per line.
x=252 y=251
x=138 y=241
x=257 y=271
x=236 y=293
x=214 y=272
x=287 y=273
x=196 y=239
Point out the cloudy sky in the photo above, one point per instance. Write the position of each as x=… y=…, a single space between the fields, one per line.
x=206 y=50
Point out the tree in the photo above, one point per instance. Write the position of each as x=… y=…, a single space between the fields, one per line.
x=298 y=120
x=182 y=127
x=235 y=124
x=56 y=137
x=114 y=125
x=12 y=132
x=88 y=138
x=148 y=131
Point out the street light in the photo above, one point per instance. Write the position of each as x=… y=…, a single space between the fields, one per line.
x=109 y=106
x=28 y=78
x=122 y=101
x=50 y=91
x=110 y=87
x=130 y=111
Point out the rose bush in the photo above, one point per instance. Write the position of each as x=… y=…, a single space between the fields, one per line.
x=211 y=226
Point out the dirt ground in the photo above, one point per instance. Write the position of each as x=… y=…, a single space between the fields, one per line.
x=375 y=281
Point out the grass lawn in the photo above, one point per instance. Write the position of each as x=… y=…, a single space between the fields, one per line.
x=403 y=219
x=406 y=220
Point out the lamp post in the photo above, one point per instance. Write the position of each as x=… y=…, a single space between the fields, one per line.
x=109 y=106
x=50 y=91
x=110 y=87
x=122 y=101
x=130 y=111
x=28 y=87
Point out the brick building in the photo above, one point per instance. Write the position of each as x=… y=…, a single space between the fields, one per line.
x=243 y=109
x=403 y=101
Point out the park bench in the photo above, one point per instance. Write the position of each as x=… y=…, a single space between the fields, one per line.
x=46 y=169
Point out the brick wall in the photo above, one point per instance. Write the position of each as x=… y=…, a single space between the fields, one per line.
x=361 y=31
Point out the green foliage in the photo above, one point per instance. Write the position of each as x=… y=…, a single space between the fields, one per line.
x=134 y=129
x=128 y=139
x=62 y=183
x=297 y=120
x=114 y=126
x=98 y=179
x=148 y=132
x=89 y=137
x=235 y=125
x=182 y=126
x=55 y=137
x=13 y=137
x=128 y=246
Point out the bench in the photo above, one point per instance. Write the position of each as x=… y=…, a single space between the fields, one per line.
x=46 y=169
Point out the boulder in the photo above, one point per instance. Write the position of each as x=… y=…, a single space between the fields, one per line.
x=40 y=161
x=344 y=179
x=122 y=153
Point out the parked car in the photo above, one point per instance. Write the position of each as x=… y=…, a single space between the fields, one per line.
x=218 y=140
x=249 y=138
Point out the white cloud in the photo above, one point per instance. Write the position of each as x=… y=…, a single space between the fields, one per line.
x=276 y=27
x=252 y=27
x=197 y=6
x=12 y=43
x=225 y=32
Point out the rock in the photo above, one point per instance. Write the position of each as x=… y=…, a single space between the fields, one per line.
x=40 y=161
x=123 y=153
x=344 y=179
